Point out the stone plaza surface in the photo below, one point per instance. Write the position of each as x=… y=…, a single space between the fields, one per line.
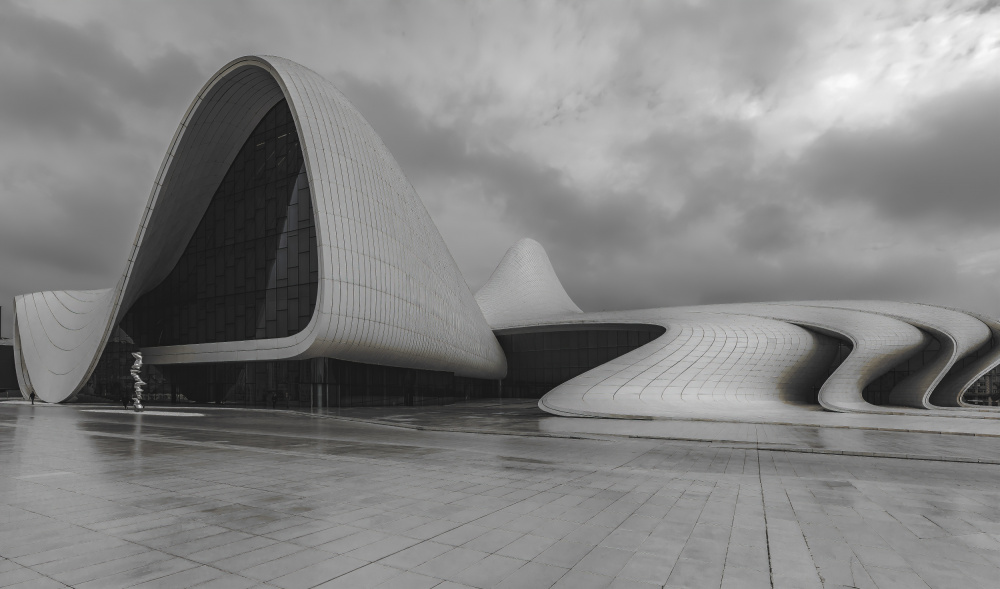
x=219 y=497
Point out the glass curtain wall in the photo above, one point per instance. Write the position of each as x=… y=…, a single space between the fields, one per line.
x=877 y=392
x=318 y=382
x=250 y=271
x=537 y=362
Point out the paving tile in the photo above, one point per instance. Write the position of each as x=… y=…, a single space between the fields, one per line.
x=604 y=561
x=564 y=554
x=370 y=575
x=527 y=547
x=488 y=572
x=37 y=583
x=414 y=556
x=318 y=573
x=284 y=565
x=492 y=541
x=583 y=580
x=253 y=558
x=449 y=563
x=533 y=575
x=229 y=581
x=136 y=576
x=183 y=579
x=409 y=580
x=650 y=568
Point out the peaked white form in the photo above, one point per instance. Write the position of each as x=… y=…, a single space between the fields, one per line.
x=389 y=291
x=523 y=287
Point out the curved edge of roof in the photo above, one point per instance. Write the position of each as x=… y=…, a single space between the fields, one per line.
x=424 y=314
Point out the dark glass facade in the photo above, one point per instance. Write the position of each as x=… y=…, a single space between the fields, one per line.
x=986 y=390
x=539 y=361
x=843 y=350
x=877 y=392
x=8 y=374
x=250 y=271
x=317 y=382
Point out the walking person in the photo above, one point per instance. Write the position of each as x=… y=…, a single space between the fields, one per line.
x=32 y=397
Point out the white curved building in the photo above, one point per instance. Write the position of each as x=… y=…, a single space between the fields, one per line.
x=387 y=291
x=283 y=255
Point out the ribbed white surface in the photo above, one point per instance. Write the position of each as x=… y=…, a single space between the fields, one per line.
x=389 y=292
x=704 y=359
x=755 y=355
x=949 y=391
x=523 y=287
x=958 y=333
x=878 y=344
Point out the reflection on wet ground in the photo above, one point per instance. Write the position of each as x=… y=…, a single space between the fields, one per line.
x=967 y=440
x=247 y=498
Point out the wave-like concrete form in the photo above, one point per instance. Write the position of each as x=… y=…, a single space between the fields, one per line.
x=389 y=291
x=950 y=390
x=688 y=369
x=704 y=361
x=958 y=334
x=877 y=344
x=523 y=287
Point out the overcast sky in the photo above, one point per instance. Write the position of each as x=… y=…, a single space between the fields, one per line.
x=664 y=153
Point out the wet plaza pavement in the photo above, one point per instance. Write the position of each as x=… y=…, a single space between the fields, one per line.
x=210 y=497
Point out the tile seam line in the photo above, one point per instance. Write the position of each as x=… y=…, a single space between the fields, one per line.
x=763 y=504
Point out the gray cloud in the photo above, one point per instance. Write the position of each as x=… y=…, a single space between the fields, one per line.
x=88 y=57
x=939 y=161
x=75 y=165
x=656 y=88
x=687 y=252
x=538 y=198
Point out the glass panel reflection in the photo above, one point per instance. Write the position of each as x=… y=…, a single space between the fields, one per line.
x=540 y=361
x=247 y=272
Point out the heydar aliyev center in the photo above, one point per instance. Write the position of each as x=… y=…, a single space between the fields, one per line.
x=282 y=254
